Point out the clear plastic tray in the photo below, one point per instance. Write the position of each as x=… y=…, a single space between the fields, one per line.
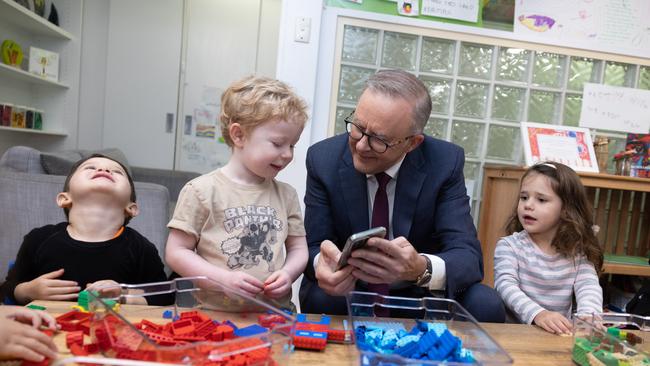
x=598 y=338
x=122 y=336
x=406 y=312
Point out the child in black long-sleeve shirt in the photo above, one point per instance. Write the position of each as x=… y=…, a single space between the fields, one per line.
x=94 y=248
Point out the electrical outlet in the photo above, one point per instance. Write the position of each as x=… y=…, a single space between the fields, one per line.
x=303 y=29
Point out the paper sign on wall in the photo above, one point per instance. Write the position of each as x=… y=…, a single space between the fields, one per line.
x=466 y=10
x=615 y=108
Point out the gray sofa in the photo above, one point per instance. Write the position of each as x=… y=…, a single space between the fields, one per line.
x=28 y=192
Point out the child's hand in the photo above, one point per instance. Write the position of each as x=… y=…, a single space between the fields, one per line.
x=553 y=322
x=47 y=287
x=19 y=340
x=35 y=318
x=105 y=288
x=277 y=284
x=244 y=282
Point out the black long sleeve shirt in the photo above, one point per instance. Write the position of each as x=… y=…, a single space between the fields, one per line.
x=129 y=258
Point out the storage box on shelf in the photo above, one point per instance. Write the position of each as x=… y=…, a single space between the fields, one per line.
x=422 y=331
x=206 y=323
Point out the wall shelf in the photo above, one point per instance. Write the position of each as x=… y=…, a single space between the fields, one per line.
x=13 y=13
x=38 y=132
x=22 y=75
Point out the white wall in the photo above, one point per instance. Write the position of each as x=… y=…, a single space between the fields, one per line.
x=297 y=65
x=93 y=73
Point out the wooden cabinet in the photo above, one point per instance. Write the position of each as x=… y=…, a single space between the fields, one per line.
x=621 y=208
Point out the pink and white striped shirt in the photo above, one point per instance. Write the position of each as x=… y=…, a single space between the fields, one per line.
x=530 y=281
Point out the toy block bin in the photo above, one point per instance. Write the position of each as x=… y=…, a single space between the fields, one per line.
x=419 y=331
x=610 y=339
x=204 y=323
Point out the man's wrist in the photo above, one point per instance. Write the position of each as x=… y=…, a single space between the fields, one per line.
x=425 y=276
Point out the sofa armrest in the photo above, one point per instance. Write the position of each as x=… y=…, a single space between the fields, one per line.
x=174 y=180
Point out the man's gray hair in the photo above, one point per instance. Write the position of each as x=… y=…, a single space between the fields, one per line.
x=402 y=84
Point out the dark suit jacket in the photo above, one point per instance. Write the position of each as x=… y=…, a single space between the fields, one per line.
x=431 y=207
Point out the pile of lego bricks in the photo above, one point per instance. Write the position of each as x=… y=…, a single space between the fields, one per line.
x=425 y=341
x=612 y=349
x=190 y=337
x=315 y=335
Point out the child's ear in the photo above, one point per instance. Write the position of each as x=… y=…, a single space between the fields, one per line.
x=132 y=209
x=236 y=134
x=63 y=200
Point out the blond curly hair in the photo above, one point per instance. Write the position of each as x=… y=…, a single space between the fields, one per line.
x=254 y=100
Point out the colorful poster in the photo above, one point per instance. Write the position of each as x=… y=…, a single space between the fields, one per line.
x=571 y=146
x=617 y=26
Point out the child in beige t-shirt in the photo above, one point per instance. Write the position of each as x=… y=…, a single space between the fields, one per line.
x=237 y=225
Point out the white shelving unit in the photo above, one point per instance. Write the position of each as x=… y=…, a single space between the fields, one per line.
x=15 y=14
x=58 y=99
x=22 y=75
x=29 y=130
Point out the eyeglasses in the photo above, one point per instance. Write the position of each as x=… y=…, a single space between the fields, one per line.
x=377 y=144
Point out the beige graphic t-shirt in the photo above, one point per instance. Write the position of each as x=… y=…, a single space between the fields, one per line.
x=240 y=227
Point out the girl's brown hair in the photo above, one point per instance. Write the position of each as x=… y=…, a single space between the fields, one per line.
x=575 y=234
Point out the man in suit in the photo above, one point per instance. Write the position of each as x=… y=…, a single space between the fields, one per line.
x=385 y=167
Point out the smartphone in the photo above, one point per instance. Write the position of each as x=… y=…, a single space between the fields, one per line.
x=357 y=241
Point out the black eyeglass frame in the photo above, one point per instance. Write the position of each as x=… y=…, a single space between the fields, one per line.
x=349 y=121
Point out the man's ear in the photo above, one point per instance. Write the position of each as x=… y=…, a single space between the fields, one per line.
x=132 y=209
x=63 y=200
x=237 y=134
x=415 y=141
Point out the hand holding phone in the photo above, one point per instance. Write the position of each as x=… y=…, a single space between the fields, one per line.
x=357 y=241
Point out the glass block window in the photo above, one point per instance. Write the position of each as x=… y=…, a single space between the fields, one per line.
x=481 y=91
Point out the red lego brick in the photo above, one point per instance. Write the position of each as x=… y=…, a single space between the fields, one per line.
x=149 y=326
x=269 y=320
x=71 y=319
x=338 y=335
x=91 y=348
x=75 y=337
x=78 y=350
x=310 y=343
x=182 y=327
x=45 y=362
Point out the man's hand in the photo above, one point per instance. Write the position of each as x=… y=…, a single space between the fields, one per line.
x=387 y=261
x=333 y=282
x=47 y=287
x=553 y=322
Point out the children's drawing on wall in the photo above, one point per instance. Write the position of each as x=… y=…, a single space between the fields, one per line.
x=203 y=149
x=604 y=24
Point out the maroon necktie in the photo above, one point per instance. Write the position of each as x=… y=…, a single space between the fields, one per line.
x=380 y=218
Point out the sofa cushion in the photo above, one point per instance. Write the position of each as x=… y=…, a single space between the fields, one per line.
x=60 y=163
x=21 y=159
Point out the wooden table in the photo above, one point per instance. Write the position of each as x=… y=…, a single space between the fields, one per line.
x=527 y=345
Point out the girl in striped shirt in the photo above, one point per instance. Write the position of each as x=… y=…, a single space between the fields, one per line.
x=553 y=252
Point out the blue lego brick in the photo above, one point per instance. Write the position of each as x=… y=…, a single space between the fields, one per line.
x=228 y=322
x=408 y=350
x=311 y=333
x=250 y=330
x=324 y=320
x=168 y=314
x=396 y=326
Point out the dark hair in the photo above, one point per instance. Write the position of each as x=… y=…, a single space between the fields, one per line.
x=575 y=234
x=75 y=166
x=402 y=84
